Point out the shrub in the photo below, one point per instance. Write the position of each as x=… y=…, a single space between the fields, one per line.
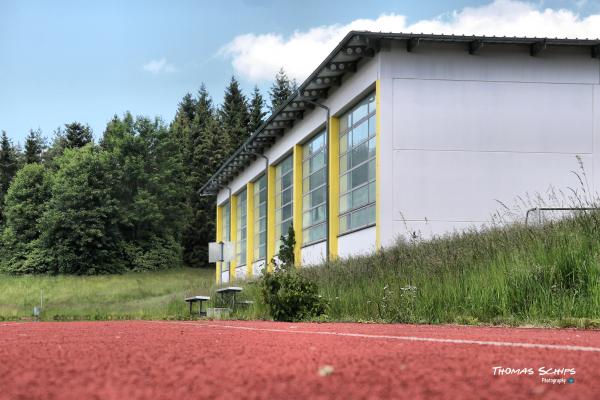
x=290 y=296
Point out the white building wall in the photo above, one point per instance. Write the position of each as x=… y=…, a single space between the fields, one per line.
x=314 y=254
x=357 y=243
x=469 y=132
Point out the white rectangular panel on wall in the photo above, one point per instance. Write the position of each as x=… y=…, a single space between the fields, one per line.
x=468 y=186
x=314 y=254
x=357 y=243
x=492 y=116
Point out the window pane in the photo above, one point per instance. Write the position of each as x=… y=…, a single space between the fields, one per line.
x=360 y=175
x=286 y=181
x=317 y=233
x=286 y=196
x=372 y=170
x=318 y=215
x=360 y=133
x=286 y=212
x=305 y=186
x=284 y=228
x=317 y=179
x=360 y=196
x=344 y=203
x=262 y=225
x=306 y=219
x=317 y=162
x=343 y=163
x=345 y=122
x=344 y=183
x=360 y=218
x=318 y=196
x=344 y=221
x=372 y=147
x=372 y=126
x=372 y=192
x=360 y=154
x=371 y=101
x=263 y=196
x=360 y=112
x=343 y=144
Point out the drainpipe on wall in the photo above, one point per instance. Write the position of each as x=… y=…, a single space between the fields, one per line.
x=228 y=234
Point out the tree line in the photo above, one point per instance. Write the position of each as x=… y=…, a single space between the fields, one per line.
x=129 y=201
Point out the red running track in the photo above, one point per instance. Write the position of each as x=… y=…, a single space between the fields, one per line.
x=267 y=360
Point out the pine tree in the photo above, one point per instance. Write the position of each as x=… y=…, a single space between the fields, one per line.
x=281 y=89
x=8 y=165
x=234 y=117
x=186 y=112
x=206 y=152
x=34 y=146
x=77 y=135
x=257 y=113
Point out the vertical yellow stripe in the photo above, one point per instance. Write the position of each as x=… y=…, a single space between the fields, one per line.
x=270 y=217
x=334 y=185
x=249 y=225
x=219 y=238
x=232 y=236
x=298 y=203
x=377 y=165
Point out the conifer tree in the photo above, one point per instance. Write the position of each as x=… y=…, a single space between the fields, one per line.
x=77 y=135
x=234 y=117
x=34 y=146
x=207 y=152
x=186 y=112
x=8 y=165
x=282 y=88
x=257 y=113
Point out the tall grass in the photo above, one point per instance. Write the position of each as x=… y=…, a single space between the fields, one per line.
x=545 y=275
x=142 y=295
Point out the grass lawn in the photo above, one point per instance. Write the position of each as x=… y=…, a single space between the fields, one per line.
x=512 y=275
x=147 y=295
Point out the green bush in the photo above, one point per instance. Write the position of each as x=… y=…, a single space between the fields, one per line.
x=290 y=296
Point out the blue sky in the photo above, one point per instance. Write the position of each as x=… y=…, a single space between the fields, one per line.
x=64 y=61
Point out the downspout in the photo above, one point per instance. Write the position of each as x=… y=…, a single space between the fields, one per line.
x=327 y=133
x=267 y=163
x=229 y=234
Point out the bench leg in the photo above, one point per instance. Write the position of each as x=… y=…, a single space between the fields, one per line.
x=190 y=308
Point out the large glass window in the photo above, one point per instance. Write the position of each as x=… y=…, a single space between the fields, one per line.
x=260 y=218
x=314 y=190
x=284 y=198
x=226 y=236
x=240 y=245
x=357 y=166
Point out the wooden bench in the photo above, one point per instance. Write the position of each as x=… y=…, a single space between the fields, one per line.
x=197 y=299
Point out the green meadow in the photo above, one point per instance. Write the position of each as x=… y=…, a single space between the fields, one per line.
x=134 y=295
x=514 y=275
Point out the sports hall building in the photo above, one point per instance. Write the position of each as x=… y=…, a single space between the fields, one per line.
x=396 y=133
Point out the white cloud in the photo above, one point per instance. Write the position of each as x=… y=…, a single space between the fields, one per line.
x=159 y=66
x=258 y=57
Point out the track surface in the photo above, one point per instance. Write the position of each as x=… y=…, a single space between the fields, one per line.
x=266 y=360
